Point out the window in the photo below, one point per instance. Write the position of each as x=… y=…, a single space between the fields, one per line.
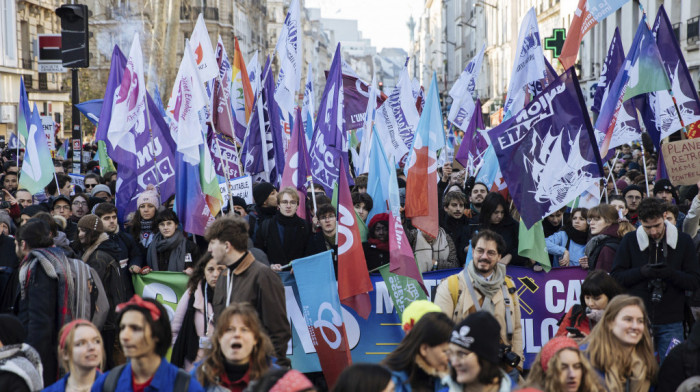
x=8 y=33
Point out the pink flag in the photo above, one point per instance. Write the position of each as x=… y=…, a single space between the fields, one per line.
x=296 y=164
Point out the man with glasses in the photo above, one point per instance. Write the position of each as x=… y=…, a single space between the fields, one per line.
x=633 y=195
x=61 y=206
x=658 y=264
x=324 y=239
x=284 y=236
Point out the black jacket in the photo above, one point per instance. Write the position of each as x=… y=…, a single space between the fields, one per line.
x=681 y=363
x=317 y=244
x=636 y=250
x=103 y=260
x=9 y=273
x=131 y=251
x=460 y=232
x=290 y=245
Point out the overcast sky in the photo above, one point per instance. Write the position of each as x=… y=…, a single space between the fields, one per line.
x=382 y=21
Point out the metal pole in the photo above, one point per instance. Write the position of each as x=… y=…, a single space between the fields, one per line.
x=77 y=133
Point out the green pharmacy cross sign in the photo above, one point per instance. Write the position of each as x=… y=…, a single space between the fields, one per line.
x=555 y=42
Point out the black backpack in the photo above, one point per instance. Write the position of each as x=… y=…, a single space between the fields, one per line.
x=611 y=242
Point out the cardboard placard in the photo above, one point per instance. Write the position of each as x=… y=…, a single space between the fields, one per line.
x=48 y=125
x=682 y=160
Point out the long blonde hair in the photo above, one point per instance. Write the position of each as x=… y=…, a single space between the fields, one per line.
x=606 y=351
x=66 y=349
x=549 y=381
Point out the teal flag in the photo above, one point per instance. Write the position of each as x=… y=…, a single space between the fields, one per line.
x=531 y=244
x=37 y=168
x=402 y=289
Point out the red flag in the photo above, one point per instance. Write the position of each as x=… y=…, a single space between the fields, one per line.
x=354 y=283
x=582 y=23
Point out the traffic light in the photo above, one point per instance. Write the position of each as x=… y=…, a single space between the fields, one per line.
x=75 y=48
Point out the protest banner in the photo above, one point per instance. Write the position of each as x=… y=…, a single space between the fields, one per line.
x=48 y=125
x=77 y=180
x=165 y=287
x=241 y=186
x=682 y=160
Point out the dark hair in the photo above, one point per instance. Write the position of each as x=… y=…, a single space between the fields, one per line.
x=363 y=198
x=107 y=176
x=322 y=199
x=672 y=208
x=360 y=182
x=85 y=197
x=35 y=233
x=621 y=198
x=363 y=377
x=53 y=225
x=324 y=209
x=231 y=229
x=12 y=173
x=62 y=180
x=198 y=273
x=650 y=208
x=433 y=329
x=165 y=215
x=94 y=176
x=105 y=208
x=160 y=329
x=598 y=282
x=488 y=372
x=91 y=236
x=488 y=207
x=490 y=235
x=169 y=200
x=454 y=195
x=582 y=210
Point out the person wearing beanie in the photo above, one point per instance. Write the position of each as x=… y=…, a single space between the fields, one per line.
x=142 y=223
x=239 y=206
x=30 y=211
x=561 y=366
x=474 y=355
x=664 y=190
x=265 y=197
x=102 y=191
x=20 y=364
x=414 y=311
x=377 y=246
x=633 y=195
x=103 y=255
x=284 y=236
x=6 y=226
x=420 y=361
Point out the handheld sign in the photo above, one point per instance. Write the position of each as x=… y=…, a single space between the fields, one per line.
x=682 y=160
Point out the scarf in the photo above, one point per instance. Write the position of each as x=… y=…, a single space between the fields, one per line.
x=593 y=243
x=146 y=234
x=577 y=236
x=92 y=248
x=616 y=382
x=379 y=244
x=23 y=361
x=425 y=253
x=487 y=288
x=56 y=266
x=176 y=245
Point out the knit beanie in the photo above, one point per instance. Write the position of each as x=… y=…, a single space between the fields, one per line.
x=664 y=184
x=414 y=311
x=100 y=188
x=239 y=201
x=553 y=347
x=150 y=196
x=11 y=330
x=5 y=218
x=34 y=209
x=479 y=333
x=633 y=188
x=91 y=222
x=261 y=192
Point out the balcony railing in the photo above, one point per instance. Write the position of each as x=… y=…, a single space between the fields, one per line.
x=26 y=63
x=28 y=82
x=693 y=30
x=191 y=12
x=677 y=31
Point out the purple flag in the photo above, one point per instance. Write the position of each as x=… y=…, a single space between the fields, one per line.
x=329 y=141
x=473 y=143
x=355 y=97
x=227 y=153
x=683 y=88
x=547 y=152
x=612 y=64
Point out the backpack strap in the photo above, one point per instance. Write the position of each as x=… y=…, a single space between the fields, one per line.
x=453 y=287
x=182 y=381
x=112 y=378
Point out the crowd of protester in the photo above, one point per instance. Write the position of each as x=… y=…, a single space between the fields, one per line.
x=70 y=319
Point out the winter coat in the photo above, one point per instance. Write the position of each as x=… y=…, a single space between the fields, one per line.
x=606 y=255
x=255 y=283
x=9 y=273
x=460 y=232
x=282 y=238
x=465 y=306
x=103 y=260
x=636 y=250
x=20 y=368
x=199 y=325
x=508 y=229
x=583 y=324
x=681 y=363
x=130 y=254
x=163 y=380
x=556 y=245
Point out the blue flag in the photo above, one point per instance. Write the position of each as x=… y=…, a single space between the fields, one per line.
x=547 y=152
x=378 y=178
x=329 y=141
x=91 y=109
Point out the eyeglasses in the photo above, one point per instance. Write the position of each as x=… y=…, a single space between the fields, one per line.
x=290 y=202
x=80 y=203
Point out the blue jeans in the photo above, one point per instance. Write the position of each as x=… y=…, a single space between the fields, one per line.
x=514 y=377
x=663 y=335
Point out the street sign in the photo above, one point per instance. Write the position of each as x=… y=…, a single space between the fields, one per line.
x=555 y=42
x=50 y=53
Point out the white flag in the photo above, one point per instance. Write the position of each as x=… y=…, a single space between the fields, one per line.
x=528 y=65
x=253 y=68
x=289 y=52
x=129 y=105
x=307 y=109
x=462 y=93
x=396 y=120
x=187 y=104
x=204 y=52
x=366 y=144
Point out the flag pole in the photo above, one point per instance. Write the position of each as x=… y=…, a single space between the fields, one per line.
x=644 y=162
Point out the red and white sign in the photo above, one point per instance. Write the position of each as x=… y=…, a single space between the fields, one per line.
x=50 y=53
